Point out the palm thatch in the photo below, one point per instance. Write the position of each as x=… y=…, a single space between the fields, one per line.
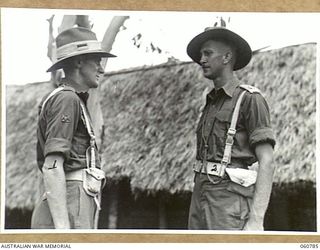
x=287 y=77
x=22 y=174
x=149 y=118
x=150 y=115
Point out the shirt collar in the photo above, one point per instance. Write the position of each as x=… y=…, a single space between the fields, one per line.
x=228 y=89
x=82 y=95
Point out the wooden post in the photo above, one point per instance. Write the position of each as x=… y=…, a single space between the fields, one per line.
x=68 y=21
x=93 y=102
x=113 y=207
x=162 y=213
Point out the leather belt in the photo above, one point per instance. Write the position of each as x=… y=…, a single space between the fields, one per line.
x=76 y=175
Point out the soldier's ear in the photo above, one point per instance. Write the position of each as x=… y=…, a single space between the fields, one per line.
x=78 y=61
x=227 y=57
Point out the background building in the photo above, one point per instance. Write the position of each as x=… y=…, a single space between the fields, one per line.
x=148 y=141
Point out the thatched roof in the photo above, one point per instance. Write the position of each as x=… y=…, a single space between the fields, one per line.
x=150 y=116
x=22 y=174
x=287 y=77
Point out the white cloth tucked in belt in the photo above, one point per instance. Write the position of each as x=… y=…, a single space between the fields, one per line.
x=76 y=175
x=244 y=177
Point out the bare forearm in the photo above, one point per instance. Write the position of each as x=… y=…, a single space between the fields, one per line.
x=263 y=188
x=55 y=186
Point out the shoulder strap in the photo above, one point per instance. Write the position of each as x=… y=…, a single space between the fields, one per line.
x=232 y=130
x=250 y=88
x=92 y=137
x=226 y=159
x=86 y=119
x=55 y=91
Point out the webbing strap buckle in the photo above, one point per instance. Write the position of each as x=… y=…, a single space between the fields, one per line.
x=92 y=141
x=231 y=131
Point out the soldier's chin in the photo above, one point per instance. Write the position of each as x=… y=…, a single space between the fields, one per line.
x=94 y=85
x=207 y=75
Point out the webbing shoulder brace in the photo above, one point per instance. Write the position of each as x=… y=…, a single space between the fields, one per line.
x=55 y=91
x=250 y=88
x=93 y=178
x=226 y=159
x=86 y=119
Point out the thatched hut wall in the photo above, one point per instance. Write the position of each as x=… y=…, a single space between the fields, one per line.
x=150 y=116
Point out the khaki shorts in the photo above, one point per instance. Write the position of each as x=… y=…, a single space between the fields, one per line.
x=81 y=209
x=218 y=206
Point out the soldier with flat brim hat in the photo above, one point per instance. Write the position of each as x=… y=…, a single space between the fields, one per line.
x=233 y=133
x=67 y=154
x=242 y=48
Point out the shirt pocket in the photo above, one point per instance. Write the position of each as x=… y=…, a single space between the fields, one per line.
x=221 y=126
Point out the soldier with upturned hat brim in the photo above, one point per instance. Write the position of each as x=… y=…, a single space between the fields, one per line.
x=66 y=149
x=233 y=133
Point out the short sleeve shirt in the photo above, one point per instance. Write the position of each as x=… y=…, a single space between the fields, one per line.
x=253 y=125
x=61 y=129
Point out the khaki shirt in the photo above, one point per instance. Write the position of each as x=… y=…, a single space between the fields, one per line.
x=61 y=129
x=253 y=125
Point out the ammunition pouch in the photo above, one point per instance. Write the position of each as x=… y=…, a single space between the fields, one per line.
x=94 y=180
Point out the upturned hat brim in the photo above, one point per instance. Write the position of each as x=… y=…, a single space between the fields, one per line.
x=59 y=63
x=243 y=50
x=74 y=42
